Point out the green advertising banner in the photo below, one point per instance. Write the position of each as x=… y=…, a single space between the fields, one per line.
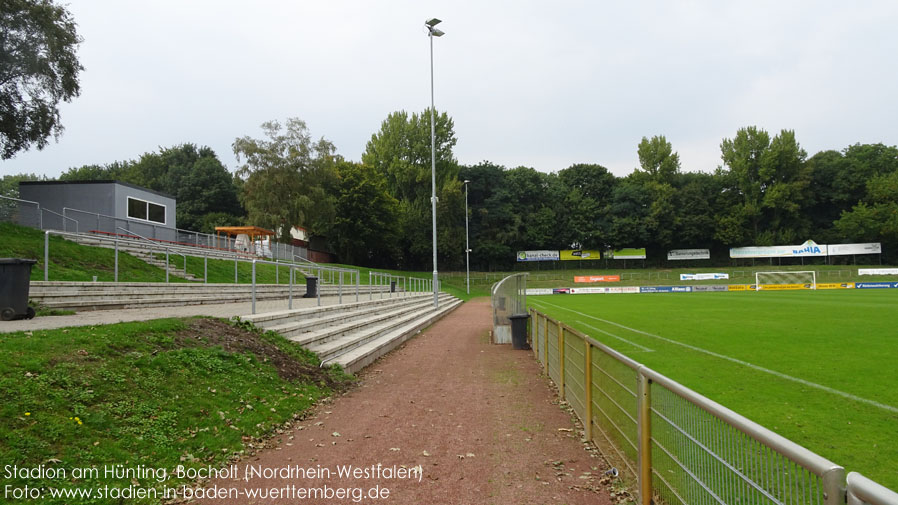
x=628 y=253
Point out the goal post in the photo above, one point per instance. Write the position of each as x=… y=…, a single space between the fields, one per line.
x=785 y=280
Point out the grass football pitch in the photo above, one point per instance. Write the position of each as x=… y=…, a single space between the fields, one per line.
x=818 y=367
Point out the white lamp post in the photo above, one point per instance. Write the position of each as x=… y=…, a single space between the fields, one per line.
x=433 y=32
x=467 y=247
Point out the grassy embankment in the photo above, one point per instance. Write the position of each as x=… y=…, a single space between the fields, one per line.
x=75 y=262
x=193 y=392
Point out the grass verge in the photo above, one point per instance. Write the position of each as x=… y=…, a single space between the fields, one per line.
x=192 y=392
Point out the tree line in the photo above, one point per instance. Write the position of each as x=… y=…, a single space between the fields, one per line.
x=376 y=212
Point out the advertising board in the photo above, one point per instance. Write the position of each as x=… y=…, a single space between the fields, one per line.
x=703 y=277
x=688 y=254
x=628 y=253
x=877 y=271
x=665 y=289
x=849 y=249
x=875 y=285
x=835 y=285
x=579 y=254
x=537 y=255
x=809 y=248
x=597 y=278
x=718 y=287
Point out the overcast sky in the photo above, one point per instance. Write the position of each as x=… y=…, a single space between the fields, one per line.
x=536 y=83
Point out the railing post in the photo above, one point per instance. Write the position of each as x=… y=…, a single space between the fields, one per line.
x=834 y=486
x=533 y=338
x=254 y=286
x=340 y=288
x=116 y=261
x=46 y=256
x=546 y=344
x=358 y=281
x=370 y=287
x=644 y=447
x=277 y=271
x=587 y=371
x=205 y=268
x=290 y=290
x=318 y=291
x=561 y=360
x=166 y=265
x=235 y=268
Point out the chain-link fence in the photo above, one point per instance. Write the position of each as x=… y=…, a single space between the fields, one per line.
x=680 y=447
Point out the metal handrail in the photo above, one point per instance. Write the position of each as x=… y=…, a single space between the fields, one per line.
x=40 y=218
x=862 y=490
x=298 y=267
x=132 y=220
x=167 y=250
x=63 y=217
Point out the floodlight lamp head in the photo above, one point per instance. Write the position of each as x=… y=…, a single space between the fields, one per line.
x=466 y=181
x=432 y=22
x=436 y=33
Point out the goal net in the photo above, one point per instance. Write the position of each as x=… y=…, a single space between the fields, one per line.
x=785 y=280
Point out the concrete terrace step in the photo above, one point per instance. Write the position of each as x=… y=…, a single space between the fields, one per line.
x=109 y=295
x=332 y=343
x=140 y=246
x=362 y=355
x=317 y=322
x=323 y=341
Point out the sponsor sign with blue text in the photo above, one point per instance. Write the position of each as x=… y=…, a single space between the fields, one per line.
x=665 y=289
x=875 y=285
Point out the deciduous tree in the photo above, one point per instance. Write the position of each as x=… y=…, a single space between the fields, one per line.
x=38 y=69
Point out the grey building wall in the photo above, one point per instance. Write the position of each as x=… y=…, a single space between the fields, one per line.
x=96 y=197
x=99 y=206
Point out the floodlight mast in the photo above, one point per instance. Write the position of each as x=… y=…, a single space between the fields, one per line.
x=467 y=246
x=433 y=32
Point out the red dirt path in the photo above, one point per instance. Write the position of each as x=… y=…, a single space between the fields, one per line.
x=480 y=419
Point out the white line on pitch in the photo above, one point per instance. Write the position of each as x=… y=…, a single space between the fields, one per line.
x=622 y=339
x=739 y=361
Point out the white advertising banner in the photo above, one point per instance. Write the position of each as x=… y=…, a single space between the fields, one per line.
x=538 y=256
x=809 y=248
x=877 y=271
x=849 y=249
x=688 y=254
x=588 y=291
x=703 y=277
x=538 y=291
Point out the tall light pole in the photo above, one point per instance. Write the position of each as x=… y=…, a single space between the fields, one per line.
x=433 y=32
x=467 y=247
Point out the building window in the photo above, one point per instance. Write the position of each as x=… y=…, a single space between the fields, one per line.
x=146 y=211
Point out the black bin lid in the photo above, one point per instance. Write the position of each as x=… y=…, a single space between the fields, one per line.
x=17 y=261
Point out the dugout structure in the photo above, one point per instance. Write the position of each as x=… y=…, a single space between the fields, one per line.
x=785 y=280
x=508 y=299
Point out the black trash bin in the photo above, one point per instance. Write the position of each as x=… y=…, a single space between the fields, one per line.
x=311 y=287
x=519 y=331
x=392 y=286
x=15 y=280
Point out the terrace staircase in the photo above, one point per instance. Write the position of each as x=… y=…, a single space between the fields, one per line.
x=354 y=335
x=81 y=296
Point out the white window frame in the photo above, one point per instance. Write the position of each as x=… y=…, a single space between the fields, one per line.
x=147 y=202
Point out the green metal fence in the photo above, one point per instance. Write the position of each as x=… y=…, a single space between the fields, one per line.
x=680 y=447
